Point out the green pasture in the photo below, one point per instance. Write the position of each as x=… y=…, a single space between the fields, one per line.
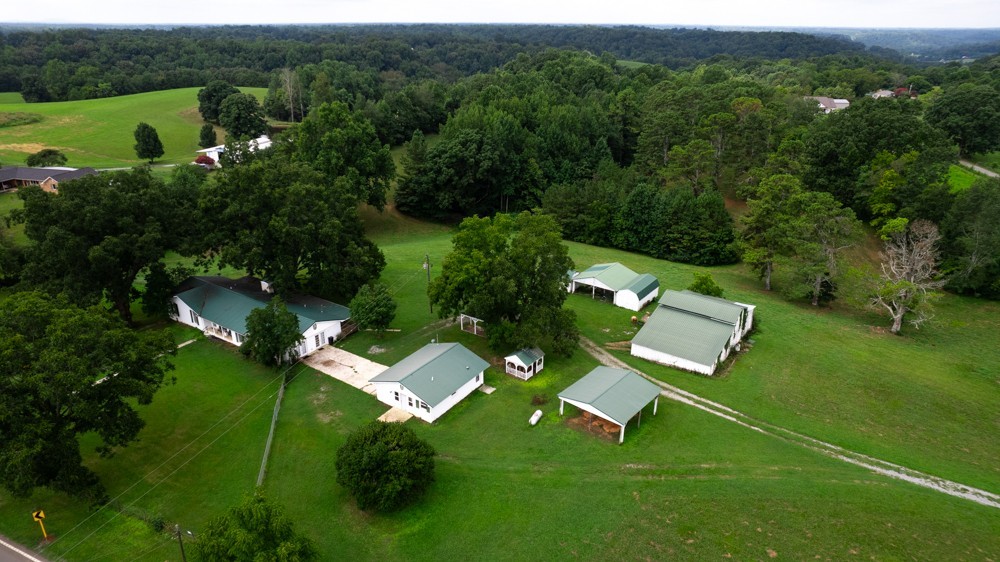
x=990 y=160
x=961 y=178
x=99 y=132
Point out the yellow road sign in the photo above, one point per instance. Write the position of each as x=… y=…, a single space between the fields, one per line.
x=38 y=515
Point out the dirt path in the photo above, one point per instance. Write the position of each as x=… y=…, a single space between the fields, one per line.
x=979 y=169
x=871 y=463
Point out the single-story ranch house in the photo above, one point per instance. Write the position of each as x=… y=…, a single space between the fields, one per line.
x=48 y=178
x=431 y=380
x=692 y=331
x=616 y=395
x=629 y=289
x=219 y=307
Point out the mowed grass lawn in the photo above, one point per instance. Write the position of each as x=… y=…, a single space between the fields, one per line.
x=99 y=132
x=684 y=485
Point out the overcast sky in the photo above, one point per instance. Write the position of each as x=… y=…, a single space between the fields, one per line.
x=772 y=13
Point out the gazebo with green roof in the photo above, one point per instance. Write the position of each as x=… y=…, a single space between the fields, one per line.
x=616 y=395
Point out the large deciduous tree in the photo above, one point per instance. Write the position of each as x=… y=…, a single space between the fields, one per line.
x=210 y=98
x=342 y=145
x=770 y=225
x=373 y=307
x=971 y=240
x=277 y=220
x=970 y=115
x=272 y=334
x=909 y=274
x=826 y=229
x=46 y=157
x=95 y=236
x=253 y=531
x=242 y=116
x=512 y=273
x=385 y=465
x=147 y=142
x=66 y=371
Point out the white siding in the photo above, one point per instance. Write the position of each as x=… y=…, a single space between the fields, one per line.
x=672 y=360
x=628 y=299
x=384 y=391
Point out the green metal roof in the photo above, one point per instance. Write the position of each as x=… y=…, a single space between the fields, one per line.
x=643 y=285
x=617 y=393
x=527 y=356
x=435 y=371
x=711 y=307
x=614 y=275
x=681 y=334
x=228 y=302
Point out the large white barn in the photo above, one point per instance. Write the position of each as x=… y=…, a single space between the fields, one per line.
x=627 y=288
x=693 y=332
x=431 y=380
x=219 y=307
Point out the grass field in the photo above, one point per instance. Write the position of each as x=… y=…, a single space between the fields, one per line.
x=99 y=132
x=960 y=178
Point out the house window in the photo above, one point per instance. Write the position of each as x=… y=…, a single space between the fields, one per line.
x=317 y=340
x=172 y=309
x=239 y=337
x=425 y=406
x=410 y=400
x=479 y=377
x=395 y=395
x=194 y=318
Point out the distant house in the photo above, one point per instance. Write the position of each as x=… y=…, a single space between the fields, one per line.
x=525 y=363
x=219 y=306
x=431 y=380
x=12 y=177
x=215 y=152
x=616 y=395
x=627 y=288
x=693 y=332
x=829 y=105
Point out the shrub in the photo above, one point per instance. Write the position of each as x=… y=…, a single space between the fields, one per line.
x=384 y=466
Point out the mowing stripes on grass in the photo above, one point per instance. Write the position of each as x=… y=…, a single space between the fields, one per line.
x=173 y=456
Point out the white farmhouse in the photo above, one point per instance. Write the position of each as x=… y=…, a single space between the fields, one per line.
x=693 y=332
x=219 y=306
x=627 y=288
x=431 y=380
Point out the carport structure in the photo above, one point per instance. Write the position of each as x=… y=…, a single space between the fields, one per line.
x=616 y=395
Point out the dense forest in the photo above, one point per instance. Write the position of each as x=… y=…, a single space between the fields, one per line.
x=61 y=64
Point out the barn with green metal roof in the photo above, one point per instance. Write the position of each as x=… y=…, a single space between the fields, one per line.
x=693 y=332
x=626 y=288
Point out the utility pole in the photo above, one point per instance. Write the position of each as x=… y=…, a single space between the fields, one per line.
x=180 y=541
x=427 y=266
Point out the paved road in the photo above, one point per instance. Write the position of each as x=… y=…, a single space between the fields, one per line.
x=13 y=552
x=979 y=169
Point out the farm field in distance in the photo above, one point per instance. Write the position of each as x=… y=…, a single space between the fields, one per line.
x=99 y=133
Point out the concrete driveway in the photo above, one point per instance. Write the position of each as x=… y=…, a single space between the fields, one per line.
x=345 y=367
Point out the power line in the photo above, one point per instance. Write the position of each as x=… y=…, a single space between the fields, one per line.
x=179 y=451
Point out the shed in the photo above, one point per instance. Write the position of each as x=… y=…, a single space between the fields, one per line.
x=616 y=395
x=431 y=380
x=628 y=289
x=525 y=363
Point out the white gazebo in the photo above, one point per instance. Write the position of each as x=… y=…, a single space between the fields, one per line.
x=525 y=363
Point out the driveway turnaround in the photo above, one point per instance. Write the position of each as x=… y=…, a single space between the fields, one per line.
x=345 y=367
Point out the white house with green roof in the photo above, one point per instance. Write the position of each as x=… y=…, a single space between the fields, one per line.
x=525 y=363
x=616 y=395
x=219 y=307
x=431 y=380
x=693 y=332
x=627 y=288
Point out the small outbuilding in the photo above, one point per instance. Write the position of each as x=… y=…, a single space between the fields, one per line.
x=692 y=331
x=431 y=380
x=525 y=363
x=626 y=288
x=616 y=395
